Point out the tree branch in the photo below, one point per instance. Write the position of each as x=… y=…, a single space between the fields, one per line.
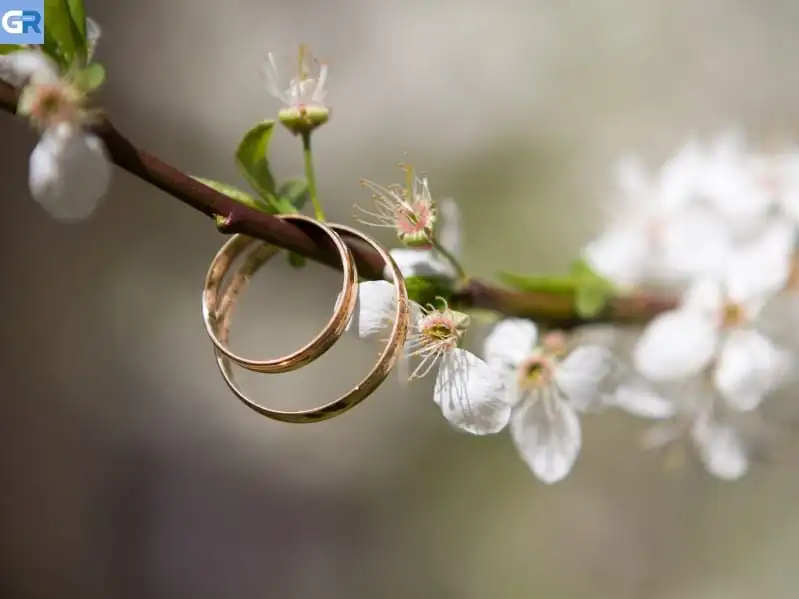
x=553 y=309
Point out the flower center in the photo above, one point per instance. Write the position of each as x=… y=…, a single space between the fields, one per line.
x=733 y=315
x=437 y=333
x=414 y=218
x=55 y=103
x=439 y=329
x=536 y=372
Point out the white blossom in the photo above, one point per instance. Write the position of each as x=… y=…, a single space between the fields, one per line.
x=691 y=412
x=470 y=394
x=715 y=327
x=653 y=231
x=69 y=172
x=546 y=389
x=407 y=209
x=732 y=187
x=428 y=261
x=302 y=91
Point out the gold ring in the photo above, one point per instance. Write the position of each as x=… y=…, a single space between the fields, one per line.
x=385 y=362
x=326 y=338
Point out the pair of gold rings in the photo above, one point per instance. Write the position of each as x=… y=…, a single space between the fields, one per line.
x=219 y=302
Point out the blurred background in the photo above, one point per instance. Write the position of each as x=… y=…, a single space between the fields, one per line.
x=129 y=470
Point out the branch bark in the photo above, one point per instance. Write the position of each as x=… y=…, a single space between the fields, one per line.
x=552 y=309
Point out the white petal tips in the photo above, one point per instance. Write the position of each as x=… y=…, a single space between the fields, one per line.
x=93 y=34
x=721 y=449
x=23 y=66
x=675 y=345
x=450 y=232
x=580 y=375
x=69 y=172
x=377 y=303
x=547 y=434
x=471 y=394
x=749 y=367
x=420 y=263
x=509 y=343
x=639 y=399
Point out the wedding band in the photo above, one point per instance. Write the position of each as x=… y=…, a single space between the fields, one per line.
x=385 y=362
x=326 y=338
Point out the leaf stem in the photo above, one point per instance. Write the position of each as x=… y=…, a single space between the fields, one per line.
x=311 y=176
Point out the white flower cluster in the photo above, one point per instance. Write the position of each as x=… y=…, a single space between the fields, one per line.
x=716 y=228
x=525 y=382
x=69 y=170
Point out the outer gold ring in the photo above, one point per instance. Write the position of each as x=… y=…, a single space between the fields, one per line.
x=385 y=362
x=326 y=338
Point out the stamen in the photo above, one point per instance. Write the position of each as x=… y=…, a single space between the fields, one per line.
x=536 y=372
x=733 y=315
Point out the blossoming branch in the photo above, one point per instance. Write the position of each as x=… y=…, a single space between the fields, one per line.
x=700 y=256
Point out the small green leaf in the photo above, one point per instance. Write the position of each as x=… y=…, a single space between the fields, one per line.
x=9 y=48
x=90 y=78
x=78 y=13
x=426 y=290
x=296 y=260
x=64 y=41
x=242 y=197
x=589 y=301
x=545 y=284
x=590 y=291
x=593 y=291
x=295 y=191
x=252 y=161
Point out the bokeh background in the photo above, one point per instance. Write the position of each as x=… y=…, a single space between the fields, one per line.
x=128 y=470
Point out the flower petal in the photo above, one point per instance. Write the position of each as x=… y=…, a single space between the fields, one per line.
x=69 y=172
x=680 y=177
x=23 y=66
x=721 y=449
x=377 y=303
x=547 y=435
x=471 y=394
x=579 y=375
x=93 y=34
x=675 y=346
x=639 y=399
x=450 y=231
x=749 y=367
x=705 y=297
x=623 y=255
x=509 y=343
x=420 y=263
x=761 y=267
x=695 y=243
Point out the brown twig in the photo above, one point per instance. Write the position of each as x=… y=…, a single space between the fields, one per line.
x=553 y=309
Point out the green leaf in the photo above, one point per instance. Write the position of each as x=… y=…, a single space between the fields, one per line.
x=593 y=291
x=563 y=285
x=64 y=41
x=9 y=48
x=90 y=78
x=296 y=260
x=426 y=290
x=589 y=301
x=234 y=193
x=295 y=191
x=78 y=13
x=590 y=291
x=252 y=161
